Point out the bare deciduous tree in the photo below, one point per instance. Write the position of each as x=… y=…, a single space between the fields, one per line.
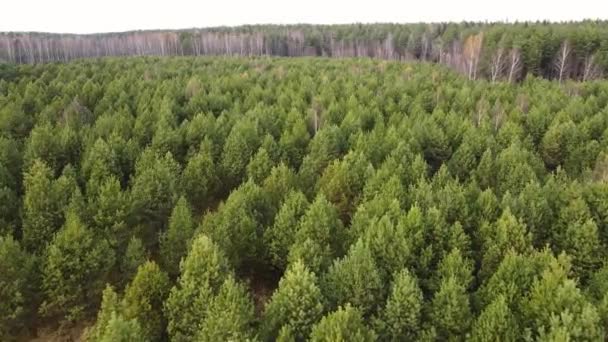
x=514 y=65
x=497 y=64
x=472 y=52
x=590 y=69
x=562 y=61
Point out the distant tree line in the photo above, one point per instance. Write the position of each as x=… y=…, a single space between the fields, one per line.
x=496 y=51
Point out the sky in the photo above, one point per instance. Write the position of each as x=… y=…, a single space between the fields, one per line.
x=91 y=16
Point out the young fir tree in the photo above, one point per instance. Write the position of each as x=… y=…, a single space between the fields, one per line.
x=281 y=235
x=200 y=179
x=203 y=271
x=355 y=279
x=17 y=287
x=134 y=256
x=74 y=271
x=175 y=241
x=401 y=318
x=496 y=323
x=450 y=311
x=230 y=315
x=144 y=298
x=320 y=236
x=344 y=324
x=296 y=305
x=42 y=216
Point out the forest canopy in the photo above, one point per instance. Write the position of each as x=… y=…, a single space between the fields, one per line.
x=495 y=51
x=293 y=199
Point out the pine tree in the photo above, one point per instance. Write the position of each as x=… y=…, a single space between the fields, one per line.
x=281 y=235
x=17 y=287
x=42 y=215
x=342 y=183
x=203 y=271
x=259 y=166
x=296 y=305
x=134 y=256
x=110 y=305
x=507 y=233
x=230 y=315
x=578 y=235
x=121 y=330
x=175 y=241
x=496 y=323
x=557 y=309
x=110 y=211
x=320 y=236
x=345 y=324
x=237 y=225
x=355 y=279
x=388 y=244
x=74 y=271
x=144 y=298
x=240 y=146
x=200 y=179
x=401 y=318
x=450 y=311
x=154 y=189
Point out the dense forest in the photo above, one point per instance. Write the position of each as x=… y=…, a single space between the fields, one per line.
x=496 y=51
x=293 y=199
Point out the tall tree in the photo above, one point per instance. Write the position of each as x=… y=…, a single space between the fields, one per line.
x=203 y=271
x=144 y=298
x=355 y=279
x=17 y=287
x=230 y=315
x=175 y=241
x=345 y=324
x=75 y=269
x=562 y=61
x=401 y=318
x=296 y=305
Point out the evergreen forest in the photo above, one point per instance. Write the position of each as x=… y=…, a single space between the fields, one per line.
x=203 y=198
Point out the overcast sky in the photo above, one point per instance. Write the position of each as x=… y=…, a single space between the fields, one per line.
x=89 y=16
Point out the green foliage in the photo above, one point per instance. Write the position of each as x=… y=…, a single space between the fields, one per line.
x=495 y=323
x=295 y=306
x=429 y=205
x=175 y=241
x=343 y=181
x=107 y=311
x=17 y=287
x=282 y=234
x=259 y=167
x=42 y=207
x=506 y=234
x=237 y=224
x=154 y=188
x=450 y=310
x=401 y=318
x=558 y=309
x=345 y=324
x=144 y=298
x=240 y=146
x=320 y=236
x=203 y=271
x=134 y=256
x=74 y=271
x=110 y=213
x=355 y=279
x=200 y=179
x=121 y=330
x=229 y=316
